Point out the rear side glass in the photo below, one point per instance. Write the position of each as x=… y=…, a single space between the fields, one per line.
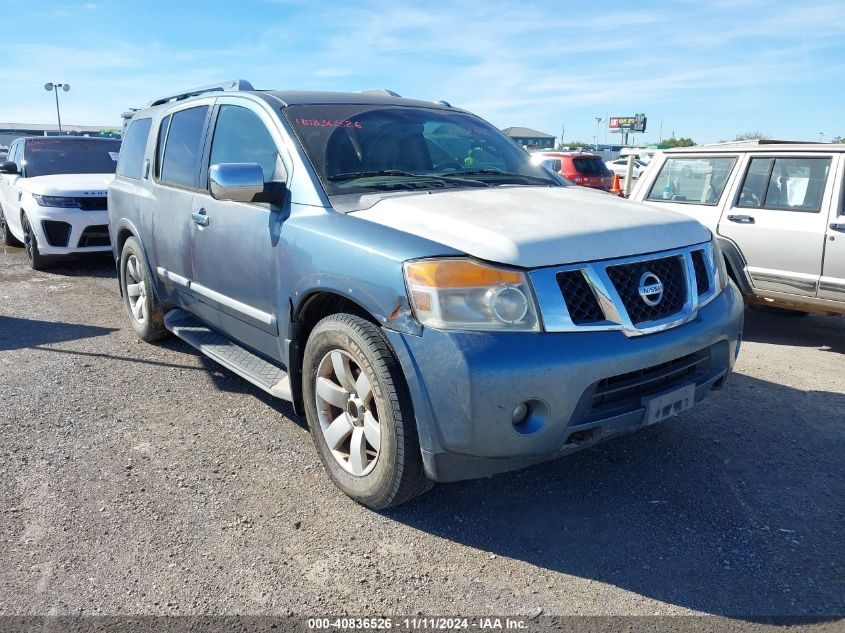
x=785 y=184
x=181 y=152
x=692 y=180
x=131 y=161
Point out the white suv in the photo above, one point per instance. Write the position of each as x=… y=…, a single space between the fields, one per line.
x=53 y=193
x=777 y=209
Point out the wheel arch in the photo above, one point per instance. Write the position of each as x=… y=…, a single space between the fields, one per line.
x=315 y=305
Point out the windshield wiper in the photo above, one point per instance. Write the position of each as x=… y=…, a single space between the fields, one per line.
x=440 y=178
x=369 y=174
x=498 y=172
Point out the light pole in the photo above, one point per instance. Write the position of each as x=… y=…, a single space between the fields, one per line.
x=596 y=138
x=51 y=87
x=821 y=134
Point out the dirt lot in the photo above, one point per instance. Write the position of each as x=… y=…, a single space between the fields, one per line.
x=147 y=480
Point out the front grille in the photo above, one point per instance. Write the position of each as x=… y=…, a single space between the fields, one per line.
x=92 y=204
x=702 y=280
x=97 y=235
x=58 y=233
x=580 y=300
x=626 y=390
x=670 y=271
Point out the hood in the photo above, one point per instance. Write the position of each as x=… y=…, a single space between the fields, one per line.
x=532 y=227
x=77 y=185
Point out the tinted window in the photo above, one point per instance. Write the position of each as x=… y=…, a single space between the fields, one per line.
x=184 y=140
x=590 y=167
x=692 y=180
x=131 y=161
x=241 y=137
x=162 y=136
x=355 y=147
x=43 y=157
x=788 y=184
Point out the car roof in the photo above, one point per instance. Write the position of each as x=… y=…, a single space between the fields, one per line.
x=69 y=137
x=563 y=154
x=758 y=148
x=309 y=97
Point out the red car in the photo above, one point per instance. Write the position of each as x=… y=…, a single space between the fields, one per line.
x=587 y=170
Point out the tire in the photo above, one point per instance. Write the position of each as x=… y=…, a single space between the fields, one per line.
x=139 y=299
x=382 y=476
x=6 y=237
x=36 y=260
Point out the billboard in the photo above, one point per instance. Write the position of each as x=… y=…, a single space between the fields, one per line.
x=634 y=123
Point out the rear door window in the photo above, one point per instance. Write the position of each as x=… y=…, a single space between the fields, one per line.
x=692 y=180
x=180 y=165
x=785 y=184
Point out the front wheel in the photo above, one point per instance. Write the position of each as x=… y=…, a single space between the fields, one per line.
x=145 y=312
x=360 y=414
x=36 y=260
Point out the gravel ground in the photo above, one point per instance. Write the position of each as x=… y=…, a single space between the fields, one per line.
x=140 y=479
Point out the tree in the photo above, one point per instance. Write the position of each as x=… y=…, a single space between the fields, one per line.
x=752 y=136
x=838 y=139
x=677 y=142
x=574 y=144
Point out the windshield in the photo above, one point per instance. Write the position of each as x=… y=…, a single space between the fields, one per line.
x=366 y=148
x=44 y=157
x=590 y=167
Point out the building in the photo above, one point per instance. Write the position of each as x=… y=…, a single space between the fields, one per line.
x=531 y=139
x=10 y=131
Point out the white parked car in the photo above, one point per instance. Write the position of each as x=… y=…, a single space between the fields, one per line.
x=53 y=193
x=777 y=209
x=620 y=167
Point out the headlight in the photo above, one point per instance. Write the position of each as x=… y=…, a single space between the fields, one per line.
x=55 y=201
x=719 y=265
x=466 y=295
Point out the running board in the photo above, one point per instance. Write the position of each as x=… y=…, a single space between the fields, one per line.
x=232 y=356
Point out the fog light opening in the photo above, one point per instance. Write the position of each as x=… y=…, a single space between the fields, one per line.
x=530 y=416
x=521 y=413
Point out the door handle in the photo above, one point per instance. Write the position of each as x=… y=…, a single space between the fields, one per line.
x=838 y=226
x=741 y=219
x=200 y=217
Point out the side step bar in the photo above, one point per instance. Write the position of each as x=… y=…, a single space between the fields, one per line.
x=232 y=356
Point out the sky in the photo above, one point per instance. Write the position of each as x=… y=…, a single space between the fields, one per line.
x=704 y=69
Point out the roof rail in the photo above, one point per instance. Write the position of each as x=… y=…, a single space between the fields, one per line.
x=381 y=91
x=232 y=84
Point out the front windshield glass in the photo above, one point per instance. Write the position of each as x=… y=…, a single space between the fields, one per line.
x=47 y=156
x=365 y=148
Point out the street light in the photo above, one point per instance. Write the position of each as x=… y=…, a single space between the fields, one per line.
x=596 y=137
x=821 y=134
x=51 y=87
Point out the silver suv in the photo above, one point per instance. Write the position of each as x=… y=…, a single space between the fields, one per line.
x=437 y=306
x=777 y=209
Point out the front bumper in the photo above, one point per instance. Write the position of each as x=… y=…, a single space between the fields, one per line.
x=63 y=231
x=465 y=386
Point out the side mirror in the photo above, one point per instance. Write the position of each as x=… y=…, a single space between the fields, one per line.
x=242 y=182
x=8 y=168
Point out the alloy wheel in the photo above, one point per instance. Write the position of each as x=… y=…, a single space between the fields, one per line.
x=28 y=239
x=136 y=290
x=347 y=412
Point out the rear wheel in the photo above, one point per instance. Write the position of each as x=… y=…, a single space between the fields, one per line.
x=360 y=414
x=6 y=237
x=145 y=312
x=37 y=261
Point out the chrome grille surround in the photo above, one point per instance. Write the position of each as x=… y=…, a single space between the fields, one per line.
x=556 y=317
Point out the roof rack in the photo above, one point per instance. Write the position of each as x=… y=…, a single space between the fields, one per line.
x=232 y=84
x=381 y=91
